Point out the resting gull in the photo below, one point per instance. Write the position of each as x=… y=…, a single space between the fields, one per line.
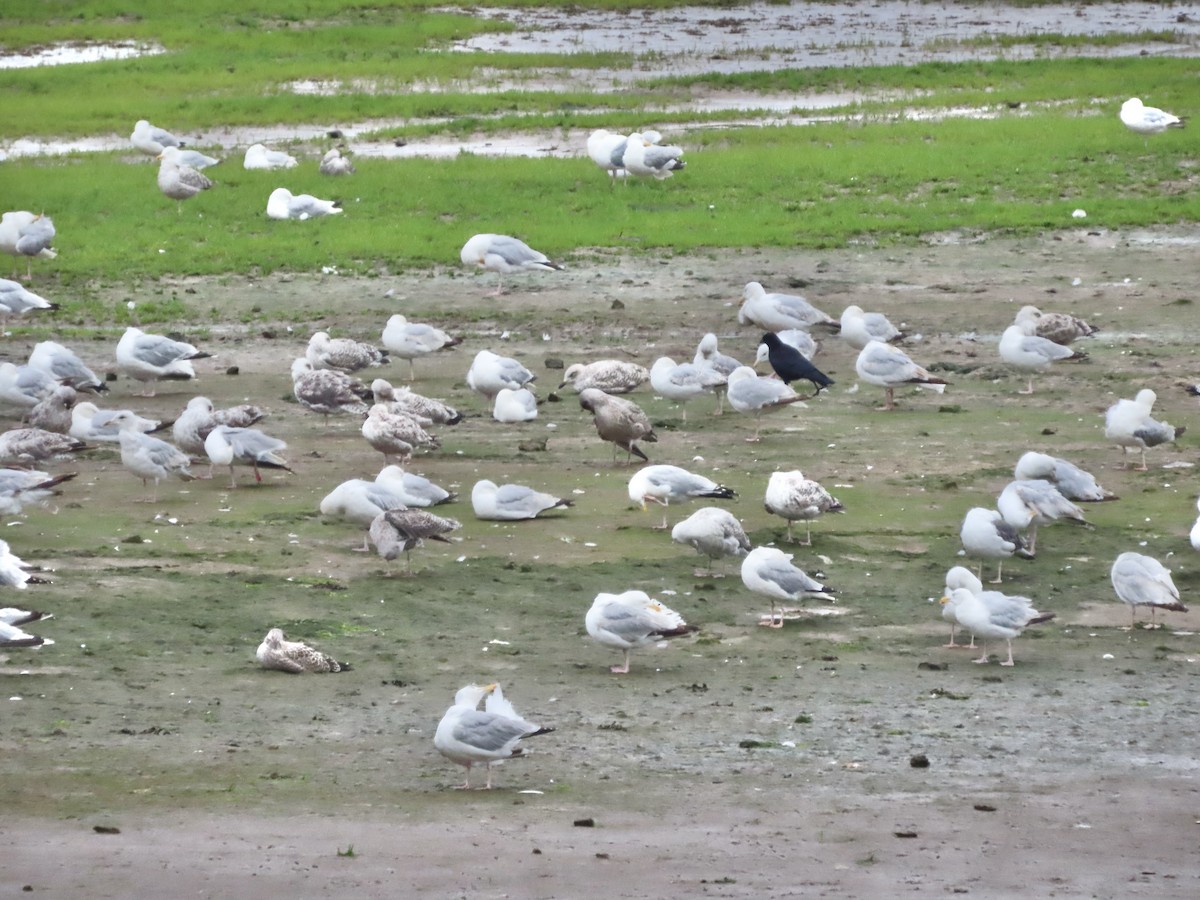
x=646 y=159
x=514 y=406
x=859 y=328
x=1147 y=120
x=179 y=181
x=152 y=140
x=24 y=386
x=888 y=367
x=409 y=340
x=24 y=487
x=258 y=156
x=13 y=637
x=30 y=446
x=776 y=312
x=396 y=531
x=753 y=395
x=489 y=373
x=1141 y=580
x=295 y=657
x=504 y=255
x=63 y=364
x=619 y=421
x=342 y=354
x=328 y=391
x=1129 y=425
x=613 y=376
x=769 y=571
x=467 y=735
x=511 y=502
x=200 y=417
x=406 y=400
x=1058 y=327
x=664 y=485
x=681 y=382
x=632 y=619
x=94 y=425
x=154 y=357
x=15 y=300
x=714 y=533
x=229 y=446
x=333 y=163
x=1072 y=482
x=359 y=501
x=795 y=498
x=412 y=489
x=284 y=205
x=395 y=434
x=994 y=615
x=794 y=337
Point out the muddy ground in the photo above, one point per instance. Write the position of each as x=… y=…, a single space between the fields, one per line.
x=146 y=753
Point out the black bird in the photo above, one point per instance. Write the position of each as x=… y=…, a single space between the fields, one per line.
x=790 y=365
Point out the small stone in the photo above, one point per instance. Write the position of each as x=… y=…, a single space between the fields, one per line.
x=585 y=823
x=232 y=370
x=617 y=304
x=919 y=761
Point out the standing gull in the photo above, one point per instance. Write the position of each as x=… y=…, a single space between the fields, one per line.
x=23 y=233
x=619 y=421
x=1025 y=351
x=396 y=531
x=395 y=434
x=490 y=373
x=295 y=657
x=259 y=157
x=632 y=619
x=986 y=535
x=1028 y=503
x=227 y=446
x=468 y=735
x=409 y=340
x=177 y=180
x=958 y=577
x=1147 y=120
x=665 y=485
x=1072 y=482
x=504 y=255
x=769 y=571
x=994 y=615
x=681 y=382
x=793 y=498
x=284 y=205
x=887 y=367
x=359 y=501
x=199 y=417
x=613 y=376
x=64 y=365
x=342 y=354
x=149 y=458
x=1129 y=425
x=1194 y=534
x=754 y=395
x=776 y=312
x=1141 y=580
x=607 y=150
x=646 y=159
x=154 y=357
x=709 y=357
x=512 y=502
x=714 y=533
x=798 y=338
x=859 y=328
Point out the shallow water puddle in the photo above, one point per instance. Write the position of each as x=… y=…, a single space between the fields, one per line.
x=68 y=54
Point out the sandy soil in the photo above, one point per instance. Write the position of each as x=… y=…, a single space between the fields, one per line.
x=741 y=763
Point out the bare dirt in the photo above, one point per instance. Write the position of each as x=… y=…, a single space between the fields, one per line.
x=144 y=754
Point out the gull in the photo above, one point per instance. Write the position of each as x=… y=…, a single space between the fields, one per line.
x=200 y=417
x=1129 y=425
x=754 y=395
x=53 y=413
x=29 y=446
x=791 y=365
x=395 y=434
x=259 y=157
x=618 y=421
x=155 y=357
x=859 y=328
x=467 y=735
x=958 y=577
x=229 y=446
x=887 y=367
x=359 y=502
x=333 y=163
x=152 y=140
x=328 y=391
x=1194 y=534
x=1072 y=482
x=986 y=535
x=794 y=498
x=12 y=615
x=632 y=619
x=665 y=485
x=283 y=204
x=769 y=571
x=714 y=533
x=196 y=159
x=1024 y=350
x=607 y=150
x=24 y=487
x=1028 y=503
x=24 y=386
x=12 y=637
x=613 y=376
x=1141 y=580
x=406 y=400
x=14 y=573
x=681 y=382
x=1147 y=120
x=177 y=180
x=1058 y=327
x=994 y=615
x=295 y=657
x=342 y=354
x=23 y=233
x=510 y=502
x=504 y=255
x=708 y=356
x=149 y=458
x=776 y=312
x=412 y=489
x=92 y=424
x=513 y=406
x=15 y=300
x=396 y=531
x=64 y=365
x=409 y=340
x=490 y=373
x=647 y=159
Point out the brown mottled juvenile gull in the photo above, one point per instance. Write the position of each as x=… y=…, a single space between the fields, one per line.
x=986 y=535
x=30 y=446
x=1141 y=580
x=228 y=446
x=155 y=357
x=467 y=735
x=888 y=367
x=632 y=619
x=714 y=533
x=1129 y=425
x=178 y=181
x=794 y=498
x=295 y=657
x=396 y=531
x=406 y=400
x=613 y=376
x=342 y=354
x=769 y=571
x=504 y=255
x=1061 y=328
x=619 y=421
x=994 y=615
x=395 y=434
x=410 y=340
x=328 y=391
x=54 y=412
